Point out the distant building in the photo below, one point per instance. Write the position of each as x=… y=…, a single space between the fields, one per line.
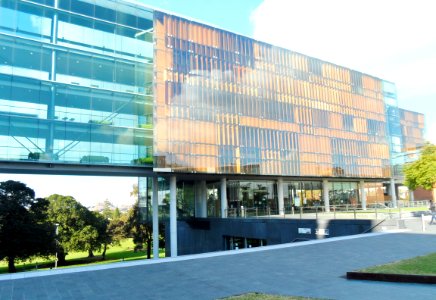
x=222 y=122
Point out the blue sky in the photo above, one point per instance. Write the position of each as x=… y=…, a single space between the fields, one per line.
x=393 y=40
x=233 y=15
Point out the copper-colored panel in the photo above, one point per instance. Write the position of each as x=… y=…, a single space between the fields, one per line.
x=225 y=83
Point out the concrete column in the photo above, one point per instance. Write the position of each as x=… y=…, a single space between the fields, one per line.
x=280 y=196
x=155 y=217
x=411 y=196
x=392 y=193
x=223 y=198
x=200 y=189
x=197 y=201
x=203 y=199
x=362 y=194
x=173 y=215
x=325 y=195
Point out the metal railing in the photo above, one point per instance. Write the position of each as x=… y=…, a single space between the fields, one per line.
x=320 y=212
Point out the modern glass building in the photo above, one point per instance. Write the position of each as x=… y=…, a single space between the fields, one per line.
x=219 y=123
x=76 y=82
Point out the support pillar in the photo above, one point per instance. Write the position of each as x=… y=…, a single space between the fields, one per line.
x=155 y=217
x=411 y=196
x=325 y=195
x=203 y=199
x=393 y=194
x=223 y=198
x=280 y=196
x=200 y=189
x=173 y=215
x=362 y=194
x=197 y=201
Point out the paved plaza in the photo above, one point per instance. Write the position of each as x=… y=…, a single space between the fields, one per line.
x=314 y=269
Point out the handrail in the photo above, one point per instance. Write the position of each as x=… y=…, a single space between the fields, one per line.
x=317 y=212
x=372 y=227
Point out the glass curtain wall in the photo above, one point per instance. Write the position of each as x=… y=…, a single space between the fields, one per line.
x=225 y=103
x=260 y=198
x=393 y=127
x=76 y=82
x=214 y=199
x=344 y=194
x=299 y=193
x=412 y=131
x=375 y=193
x=252 y=198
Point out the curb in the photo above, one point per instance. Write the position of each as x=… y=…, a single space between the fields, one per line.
x=428 y=279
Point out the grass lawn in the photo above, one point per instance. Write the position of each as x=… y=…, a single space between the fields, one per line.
x=421 y=265
x=257 y=296
x=121 y=252
x=421 y=208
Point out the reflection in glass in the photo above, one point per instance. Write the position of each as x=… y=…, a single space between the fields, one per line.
x=247 y=107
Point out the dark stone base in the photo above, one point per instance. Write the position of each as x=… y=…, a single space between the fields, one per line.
x=200 y=235
x=429 y=279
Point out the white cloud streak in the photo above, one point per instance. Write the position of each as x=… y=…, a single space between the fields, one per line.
x=393 y=40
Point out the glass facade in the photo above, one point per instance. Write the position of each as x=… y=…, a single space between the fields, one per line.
x=76 y=82
x=302 y=193
x=412 y=130
x=254 y=197
x=412 y=136
x=225 y=103
x=112 y=82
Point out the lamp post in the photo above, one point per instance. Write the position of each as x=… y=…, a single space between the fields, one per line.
x=56 y=241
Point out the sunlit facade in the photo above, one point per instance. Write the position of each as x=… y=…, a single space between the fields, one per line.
x=223 y=121
x=225 y=103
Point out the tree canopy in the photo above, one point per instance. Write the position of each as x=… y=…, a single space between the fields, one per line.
x=24 y=230
x=422 y=172
x=28 y=225
x=77 y=226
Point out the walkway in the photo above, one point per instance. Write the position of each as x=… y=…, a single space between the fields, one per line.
x=314 y=269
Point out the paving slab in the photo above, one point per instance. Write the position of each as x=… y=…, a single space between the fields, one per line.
x=314 y=269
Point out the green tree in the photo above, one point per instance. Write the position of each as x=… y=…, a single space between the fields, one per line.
x=85 y=239
x=139 y=227
x=104 y=235
x=140 y=231
x=116 y=214
x=116 y=229
x=24 y=230
x=78 y=227
x=108 y=211
x=422 y=172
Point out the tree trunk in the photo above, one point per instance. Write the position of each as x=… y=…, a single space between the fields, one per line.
x=61 y=257
x=148 y=249
x=90 y=253
x=104 y=251
x=11 y=265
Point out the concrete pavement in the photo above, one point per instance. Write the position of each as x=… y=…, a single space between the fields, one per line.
x=314 y=269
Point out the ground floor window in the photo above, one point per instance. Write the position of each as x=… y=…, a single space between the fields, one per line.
x=344 y=193
x=302 y=193
x=237 y=242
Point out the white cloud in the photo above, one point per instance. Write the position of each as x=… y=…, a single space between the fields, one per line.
x=393 y=40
